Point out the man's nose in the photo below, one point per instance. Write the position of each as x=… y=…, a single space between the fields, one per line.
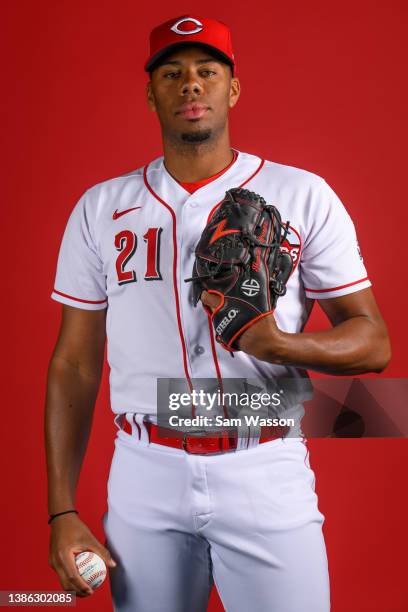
x=191 y=85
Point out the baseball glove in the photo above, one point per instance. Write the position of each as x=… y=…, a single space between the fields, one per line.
x=238 y=258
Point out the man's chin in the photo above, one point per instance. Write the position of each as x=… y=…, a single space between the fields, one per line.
x=196 y=136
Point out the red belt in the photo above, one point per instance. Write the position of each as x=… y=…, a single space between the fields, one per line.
x=199 y=444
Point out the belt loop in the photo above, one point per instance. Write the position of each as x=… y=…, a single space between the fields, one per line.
x=253 y=441
x=242 y=437
x=118 y=420
x=254 y=433
x=138 y=422
x=245 y=439
x=129 y=426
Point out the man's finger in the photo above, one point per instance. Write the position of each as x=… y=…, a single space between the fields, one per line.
x=67 y=584
x=72 y=575
x=209 y=299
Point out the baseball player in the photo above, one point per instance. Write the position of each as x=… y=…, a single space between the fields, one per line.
x=185 y=512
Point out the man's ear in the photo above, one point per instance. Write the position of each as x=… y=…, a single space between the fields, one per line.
x=150 y=96
x=235 y=90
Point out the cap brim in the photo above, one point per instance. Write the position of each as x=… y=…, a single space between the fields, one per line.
x=156 y=59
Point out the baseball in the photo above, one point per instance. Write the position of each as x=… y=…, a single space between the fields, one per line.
x=91 y=568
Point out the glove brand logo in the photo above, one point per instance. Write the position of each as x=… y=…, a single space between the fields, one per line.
x=219 y=231
x=250 y=287
x=227 y=320
x=176 y=27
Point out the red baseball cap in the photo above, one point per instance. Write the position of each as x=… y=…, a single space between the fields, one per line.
x=190 y=30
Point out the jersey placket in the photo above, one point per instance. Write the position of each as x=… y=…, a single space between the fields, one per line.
x=193 y=218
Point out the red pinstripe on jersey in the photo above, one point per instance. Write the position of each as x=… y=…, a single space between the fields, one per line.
x=217 y=365
x=176 y=295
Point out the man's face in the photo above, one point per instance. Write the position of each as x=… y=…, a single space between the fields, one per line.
x=192 y=92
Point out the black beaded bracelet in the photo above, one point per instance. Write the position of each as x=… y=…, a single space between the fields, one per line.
x=53 y=516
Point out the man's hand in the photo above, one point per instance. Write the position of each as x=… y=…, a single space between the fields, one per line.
x=69 y=537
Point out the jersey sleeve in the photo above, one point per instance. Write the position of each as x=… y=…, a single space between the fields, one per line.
x=80 y=280
x=331 y=264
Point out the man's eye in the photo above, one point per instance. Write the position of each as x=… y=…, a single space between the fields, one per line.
x=170 y=75
x=207 y=72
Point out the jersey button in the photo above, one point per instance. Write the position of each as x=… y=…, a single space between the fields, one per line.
x=199 y=350
x=193 y=204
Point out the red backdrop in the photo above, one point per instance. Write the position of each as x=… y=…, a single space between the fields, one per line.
x=324 y=88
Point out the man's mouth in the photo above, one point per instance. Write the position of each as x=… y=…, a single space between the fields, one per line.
x=192 y=110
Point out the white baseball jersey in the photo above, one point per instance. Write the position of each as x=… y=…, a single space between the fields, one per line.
x=129 y=244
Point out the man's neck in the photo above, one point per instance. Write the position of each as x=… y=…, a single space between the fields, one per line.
x=195 y=162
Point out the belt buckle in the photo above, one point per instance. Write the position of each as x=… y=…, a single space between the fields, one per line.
x=215 y=443
x=189 y=437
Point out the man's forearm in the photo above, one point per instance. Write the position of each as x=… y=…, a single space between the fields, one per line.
x=70 y=402
x=352 y=347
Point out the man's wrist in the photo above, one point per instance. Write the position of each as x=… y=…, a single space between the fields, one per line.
x=65 y=512
x=267 y=344
x=60 y=499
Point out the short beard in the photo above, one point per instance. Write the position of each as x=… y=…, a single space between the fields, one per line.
x=196 y=137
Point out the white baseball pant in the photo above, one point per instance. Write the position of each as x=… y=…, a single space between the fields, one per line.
x=247 y=520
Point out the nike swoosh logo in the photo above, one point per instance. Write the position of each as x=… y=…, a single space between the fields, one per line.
x=118 y=213
x=219 y=231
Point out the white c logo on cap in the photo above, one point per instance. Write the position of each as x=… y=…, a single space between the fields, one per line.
x=175 y=28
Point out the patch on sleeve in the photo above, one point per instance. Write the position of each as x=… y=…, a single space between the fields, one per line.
x=292 y=245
